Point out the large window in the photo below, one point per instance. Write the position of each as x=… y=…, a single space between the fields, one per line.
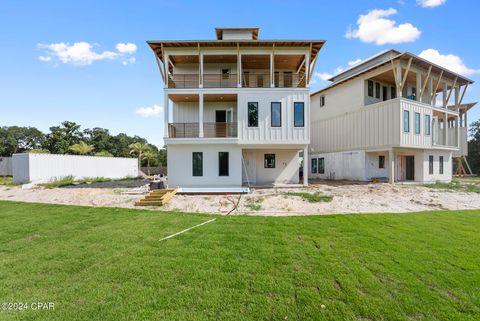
x=393 y=92
x=427 y=124
x=440 y=163
x=381 y=161
x=276 y=117
x=299 y=114
x=269 y=161
x=406 y=121
x=321 y=165
x=314 y=166
x=377 y=90
x=370 y=88
x=197 y=163
x=223 y=164
x=417 y=123
x=252 y=114
x=430 y=165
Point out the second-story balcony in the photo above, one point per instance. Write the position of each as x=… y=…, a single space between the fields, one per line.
x=210 y=130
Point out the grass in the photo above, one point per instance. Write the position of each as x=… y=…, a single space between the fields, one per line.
x=458 y=185
x=108 y=264
x=312 y=198
x=254 y=204
x=6 y=181
x=70 y=180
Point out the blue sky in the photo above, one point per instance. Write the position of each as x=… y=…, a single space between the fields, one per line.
x=104 y=87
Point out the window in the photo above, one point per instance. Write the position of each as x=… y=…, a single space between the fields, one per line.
x=197 y=163
x=314 y=166
x=377 y=90
x=298 y=114
x=225 y=73
x=321 y=165
x=417 y=123
x=276 y=117
x=269 y=161
x=381 y=161
x=430 y=165
x=276 y=79
x=287 y=79
x=370 y=88
x=246 y=77
x=223 y=164
x=440 y=163
x=384 y=93
x=427 y=124
x=406 y=121
x=393 y=92
x=322 y=100
x=252 y=114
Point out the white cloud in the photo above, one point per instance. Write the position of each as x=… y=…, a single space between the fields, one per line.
x=373 y=27
x=323 y=75
x=354 y=62
x=83 y=53
x=128 y=48
x=153 y=111
x=449 y=61
x=430 y=3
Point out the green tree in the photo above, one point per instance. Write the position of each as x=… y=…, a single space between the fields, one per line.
x=139 y=149
x=15 y=139
x=82 y=148
x=98 y=137
x=104 y=153
x=60 y=138
x=149 y=156
x=474 y=147
x=38 y=151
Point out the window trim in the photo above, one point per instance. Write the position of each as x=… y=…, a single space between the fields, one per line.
x=201 y=164
x=370 y=82
x=303 y=114
x=406 y=113
x=419 y=118
x=248 y=114
x=228 y=164
x=323 y=165
x=322 y=101
x=265 y=160
x=427 y=125
x=271 y=114
x=381 y=161
x=431 y=160
x=377 y=90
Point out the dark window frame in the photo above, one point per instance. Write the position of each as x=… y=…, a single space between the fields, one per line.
x=322 y=101
x=381 y=161
x=224 y=171
x=377 y=90
x=440 y=165
x=427 y=125
x=430 y=164
x=314 y=166
x=271 y=114
x=266 y=164
x=299 y=103
x=194 y=173
x=418 y=120
x=393 y=92
x=248 y=114
x=321 y=169
x=370 y=88
x=407 y=114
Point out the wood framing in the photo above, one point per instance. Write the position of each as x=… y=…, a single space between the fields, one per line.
x=434 y=93
x=425 y=81
x=463 y=94
x=395 y=74
x=406 y=74
x=451 y=90
x=159 y=67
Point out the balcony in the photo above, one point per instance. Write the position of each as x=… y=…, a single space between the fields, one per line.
x=210 y=130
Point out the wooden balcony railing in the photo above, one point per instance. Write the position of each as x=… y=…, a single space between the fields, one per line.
x=219 y=80
x=183 y=81
x=249 y=80
x=192 y=130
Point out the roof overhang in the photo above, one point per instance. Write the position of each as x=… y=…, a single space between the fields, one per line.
x=254 y=30
x=463 y=107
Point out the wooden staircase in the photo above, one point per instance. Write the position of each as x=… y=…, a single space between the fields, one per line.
x=157 y=197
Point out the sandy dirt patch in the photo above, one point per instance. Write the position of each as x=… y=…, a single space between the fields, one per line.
x=348 y=197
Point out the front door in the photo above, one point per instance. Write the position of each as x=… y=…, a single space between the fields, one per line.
x=220 y=123
x=409 y=168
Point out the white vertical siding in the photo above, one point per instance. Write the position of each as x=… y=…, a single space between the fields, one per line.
x=411 y=139
x=6 y=166
x=264 y=133
x=188 y=112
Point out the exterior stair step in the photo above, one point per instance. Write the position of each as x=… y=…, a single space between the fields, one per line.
x=158 y=197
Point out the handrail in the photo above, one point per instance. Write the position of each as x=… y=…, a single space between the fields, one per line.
x=210 y=129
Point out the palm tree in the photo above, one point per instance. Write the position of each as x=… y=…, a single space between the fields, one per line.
x=149 y=155
x=82 y=148
x=138 y=149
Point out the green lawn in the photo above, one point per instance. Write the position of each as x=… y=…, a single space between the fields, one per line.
x=108 y=264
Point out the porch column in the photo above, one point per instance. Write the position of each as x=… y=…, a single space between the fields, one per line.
x=445 y=94
x=305 y=166
x=240 y=71
x=200 y=115
x=445 y=129
x=430 y=90
x=391 y=166
x=418 y=94
x=271 y=70
x=457 y=127
x=457 y=98
x=201 y=70
x=165 y=115
x=465 y=120
x=399 y=80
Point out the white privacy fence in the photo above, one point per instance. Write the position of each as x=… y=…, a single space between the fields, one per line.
x=5 y=166
x=48 y=167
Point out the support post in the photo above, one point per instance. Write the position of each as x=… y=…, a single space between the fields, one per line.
x=200 y=115
x=457 y=127
x=418 y=93
x=240 y=70
x=305 y=166
x=445 y=94
x=445 y=129
x=391 y=166
x=430 y=90
x=201 y=70
x=399 y=79
x=165 y=115
x=457 y=98
x=271 y=69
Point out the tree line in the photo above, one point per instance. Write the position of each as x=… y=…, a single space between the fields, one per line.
x=474 y=147
x=68 y=138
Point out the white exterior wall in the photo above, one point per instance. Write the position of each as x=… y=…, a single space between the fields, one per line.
x=411 y=139
x=286 y=171
x=264 y=133
x=47 y=167
x=447 y=166
x=345 y=165
x=188 y=112
x=6 y=166
x=180 y=167
x=372 y=168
